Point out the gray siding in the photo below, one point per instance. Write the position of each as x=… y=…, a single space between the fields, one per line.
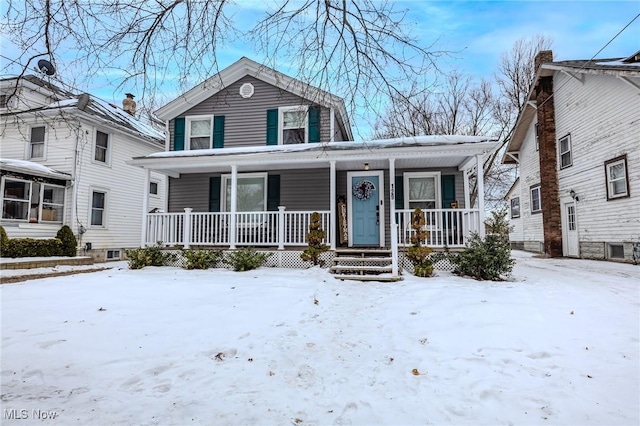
x=299 y=190
x=246 y=119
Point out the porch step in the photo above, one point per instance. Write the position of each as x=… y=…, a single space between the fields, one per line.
x=368 y=278
x=363 y=265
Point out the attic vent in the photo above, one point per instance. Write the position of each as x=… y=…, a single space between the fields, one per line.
x=247 y=90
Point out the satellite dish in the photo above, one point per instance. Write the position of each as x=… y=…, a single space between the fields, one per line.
x=46 y=67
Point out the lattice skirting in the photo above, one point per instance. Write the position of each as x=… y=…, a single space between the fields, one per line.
x=291 y=259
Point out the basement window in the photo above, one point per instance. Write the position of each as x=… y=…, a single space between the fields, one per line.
x=113 y=254
x=615 y=251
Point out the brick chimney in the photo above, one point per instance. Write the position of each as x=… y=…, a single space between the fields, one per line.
x=550 y=197
x=543 y=57
x=128 y=104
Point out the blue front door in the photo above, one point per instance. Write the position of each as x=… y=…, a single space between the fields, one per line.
x=364 y=199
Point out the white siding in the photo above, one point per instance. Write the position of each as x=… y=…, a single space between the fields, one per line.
x=602 y=114
x=530 y=227
x=124 y=183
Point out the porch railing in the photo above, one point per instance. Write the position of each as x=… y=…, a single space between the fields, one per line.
x=274 y=228
x=445 y=227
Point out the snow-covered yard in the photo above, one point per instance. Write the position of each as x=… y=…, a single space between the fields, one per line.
x=559 y=344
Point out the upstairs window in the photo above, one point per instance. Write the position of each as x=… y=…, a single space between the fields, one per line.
x=36 y=142
x=4 y=101
x=536 y=200
x=294 y=125
x=102 y=147
x=617 y=178
x=565 y=152
x=153 y=188
x=199 y=132
x=515 y=207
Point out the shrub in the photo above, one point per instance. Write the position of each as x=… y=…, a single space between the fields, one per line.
x=417 y=253
x=200 y=259
x=486 y=259
x=314 y=237
x=148 y=256
x=69 y=241
x=246 y=259
x=4 y=242
x=30 y=247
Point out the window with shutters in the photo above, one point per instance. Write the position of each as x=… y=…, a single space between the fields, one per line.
x=251 y=192
x=199 y=132
x=36 y=143
x=293 y=125
x=422 y=190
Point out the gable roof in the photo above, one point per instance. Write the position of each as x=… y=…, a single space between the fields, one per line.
x=620 y=67
x=95 y=109
x=245 y=66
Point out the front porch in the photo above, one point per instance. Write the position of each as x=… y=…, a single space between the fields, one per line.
x=282 y=229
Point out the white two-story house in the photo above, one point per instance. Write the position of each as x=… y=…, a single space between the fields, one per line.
x=577 y=146
x=63 y=160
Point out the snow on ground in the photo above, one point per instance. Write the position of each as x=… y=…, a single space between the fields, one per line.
x=559 y=344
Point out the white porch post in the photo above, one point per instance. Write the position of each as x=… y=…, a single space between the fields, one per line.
x=186 y=228
x=392 y=192
x=332 y=207
x=234 y=204
x=467 y=195
x=480 y=196
x=281 y=210
x=145 y=208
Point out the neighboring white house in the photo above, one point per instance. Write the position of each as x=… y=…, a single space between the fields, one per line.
x=577 y=146
x=64 y=162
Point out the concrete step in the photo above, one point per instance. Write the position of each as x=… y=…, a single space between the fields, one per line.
x=361 y=259
x=373 y=269
x=367 y=278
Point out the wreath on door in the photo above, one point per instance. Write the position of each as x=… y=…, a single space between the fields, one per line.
x=363 y=189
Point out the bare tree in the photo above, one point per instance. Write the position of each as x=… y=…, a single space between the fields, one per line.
x=467 y=108
x=358 y=48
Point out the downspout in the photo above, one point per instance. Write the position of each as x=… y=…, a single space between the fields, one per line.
x=74 y=183
x=145 y=208
x=480 y=180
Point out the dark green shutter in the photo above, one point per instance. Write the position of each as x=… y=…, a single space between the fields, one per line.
x=214 y=194
x=447 y=190
x=218 y=131
x=314 y=125
x=178 y=134
x=272 y=127
x=399 y=193
x=273 y=192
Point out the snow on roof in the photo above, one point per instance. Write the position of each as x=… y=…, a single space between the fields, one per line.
x=31 y=168
x=411 y=141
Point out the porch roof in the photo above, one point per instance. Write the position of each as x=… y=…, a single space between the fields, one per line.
x=32 y=169
x=409 y=152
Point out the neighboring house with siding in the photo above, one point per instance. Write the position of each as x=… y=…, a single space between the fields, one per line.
x=251 y=153
x=64 y=162
x=577 y=147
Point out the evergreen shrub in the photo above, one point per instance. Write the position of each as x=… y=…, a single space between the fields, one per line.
x=31 y=247
x=4 y=242
x=418 y=254
x=246 y=259
x=314 y=238
x=148 y=256
x=488 y=258
x=69 y=241
x=201 y=259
